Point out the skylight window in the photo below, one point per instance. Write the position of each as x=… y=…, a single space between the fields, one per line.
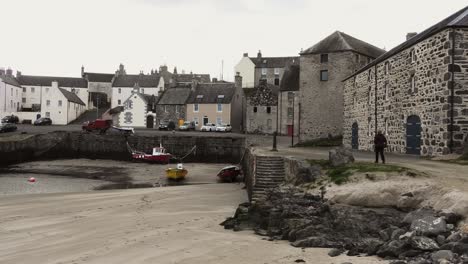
x=200 y=96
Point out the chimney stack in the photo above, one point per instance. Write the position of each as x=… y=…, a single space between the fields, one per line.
x=2 y=71
x=410 y=35
x=246 y=54
x=195 y=82
x=259 y=54
x=82 y=71
x=162 y=69
x=9 y=72
x=214 y=80
x=18 y=74
x=238 y=80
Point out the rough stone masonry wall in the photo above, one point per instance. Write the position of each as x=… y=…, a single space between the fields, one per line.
x=461 y=88
x=60 y=145
x=322 y=101
x=359 y=105
x=396 y=102
x=171 y=114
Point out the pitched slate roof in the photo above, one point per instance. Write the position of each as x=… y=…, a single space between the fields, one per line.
x=99 y=77
x=129 y=80
x=209 y=93
x=290 y=80
x=47 y=81
x=204 y=78
x=458 y=19
x=72 y=97
x=274 y=62
x=339 y=41
x=11 y=80
x=174 y=96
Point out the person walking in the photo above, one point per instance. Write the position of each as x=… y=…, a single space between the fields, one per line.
x=380 y=143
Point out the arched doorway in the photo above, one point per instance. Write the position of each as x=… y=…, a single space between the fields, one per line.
x=413 y=135
x=355 y=136
x=149 y=121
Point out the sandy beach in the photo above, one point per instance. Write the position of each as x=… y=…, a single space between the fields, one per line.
x=155 y=225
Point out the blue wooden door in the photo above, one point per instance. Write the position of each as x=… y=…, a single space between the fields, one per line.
x=413 y=135
x=355 y=136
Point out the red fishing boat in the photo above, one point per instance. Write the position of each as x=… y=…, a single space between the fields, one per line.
x=229 y=173
x=159 y=155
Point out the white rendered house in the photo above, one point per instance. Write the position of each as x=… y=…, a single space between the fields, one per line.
x=123 y=86
x=10 y=93
x=137 y=110
x=61 y=105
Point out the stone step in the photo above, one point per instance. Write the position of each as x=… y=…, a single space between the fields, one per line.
x=270 y=168
x=268 y=181
x=269 y=176
x=270 y=172
x=269 y=158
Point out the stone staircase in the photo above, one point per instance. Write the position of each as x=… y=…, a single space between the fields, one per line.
x=269 y=173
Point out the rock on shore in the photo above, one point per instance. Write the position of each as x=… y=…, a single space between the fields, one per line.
x=290 y=213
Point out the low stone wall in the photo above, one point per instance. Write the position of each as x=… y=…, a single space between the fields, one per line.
x=84 y=145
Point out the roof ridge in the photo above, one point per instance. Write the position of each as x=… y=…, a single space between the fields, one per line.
x=340 y=34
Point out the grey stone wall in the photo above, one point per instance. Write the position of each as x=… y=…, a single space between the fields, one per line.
x=321 y=102
x=170 y=113
x=226 y=149
x=396 y=101
x=460 y=69
x=261 y=121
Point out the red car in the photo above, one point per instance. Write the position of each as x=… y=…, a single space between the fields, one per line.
x=97 y=125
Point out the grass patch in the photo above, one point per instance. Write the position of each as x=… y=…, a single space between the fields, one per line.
x=323 y=142
x=341 y=174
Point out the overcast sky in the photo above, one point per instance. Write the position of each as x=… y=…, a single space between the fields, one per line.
x=56 y=37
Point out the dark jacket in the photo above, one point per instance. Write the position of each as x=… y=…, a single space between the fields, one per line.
x=380 y=141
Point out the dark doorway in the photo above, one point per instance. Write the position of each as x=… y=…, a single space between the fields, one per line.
x=205 y=120
x=355 y=136
x=150 y=121
x=413 y=135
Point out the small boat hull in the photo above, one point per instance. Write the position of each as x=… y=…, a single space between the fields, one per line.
x=163 y=159
x=229 y=174
x=176 y=174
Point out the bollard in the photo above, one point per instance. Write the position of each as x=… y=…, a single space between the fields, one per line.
x=274 y=142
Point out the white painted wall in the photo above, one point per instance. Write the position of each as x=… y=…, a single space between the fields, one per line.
x=123 y=93
x=27 y=116
x=33 y=94
x=60 y=113
x=134 y=106
x=246 y=69
x=10 y=98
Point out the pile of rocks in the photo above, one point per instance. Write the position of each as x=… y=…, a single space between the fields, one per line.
x=418 y=237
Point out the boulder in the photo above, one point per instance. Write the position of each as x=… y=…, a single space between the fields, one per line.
x=442 y=255
x=392 y=249
x=423 y=243
x=335 y=252
x=429 y=226
x=340 y=156
x=418 y=214
x=306 y=173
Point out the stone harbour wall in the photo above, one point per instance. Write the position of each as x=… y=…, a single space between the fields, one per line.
x=62 y=145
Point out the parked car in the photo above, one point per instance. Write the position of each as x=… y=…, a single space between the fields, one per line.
x=186 y=126
x=7 y=127
x=208 y=127
x=43 y=121
x=100 y=125
x=166 y=125
x=223 y=128
x=10 y=119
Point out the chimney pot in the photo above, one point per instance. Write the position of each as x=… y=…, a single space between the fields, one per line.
x=214 y=80
x=246 y=54
x=259 y=54
x=18 y=74
x=410 y=35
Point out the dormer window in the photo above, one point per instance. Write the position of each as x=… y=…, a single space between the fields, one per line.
x=277 y=71
x=200 y=96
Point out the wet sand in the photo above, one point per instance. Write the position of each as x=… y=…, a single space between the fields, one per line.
x=156 y=225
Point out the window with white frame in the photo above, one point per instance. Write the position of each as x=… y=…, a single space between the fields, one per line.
x=165 y=109
x=24 y=89
x=277 y=71
x=219 y=120
x=59 y=102
x=195 y=107
x=220 y=108
x=48 y=102
x=33 y=89
x=264 y=71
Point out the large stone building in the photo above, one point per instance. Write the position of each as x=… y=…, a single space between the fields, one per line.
x=417 y=93
x=261 y=108
x=254 y=69
x=322 y=70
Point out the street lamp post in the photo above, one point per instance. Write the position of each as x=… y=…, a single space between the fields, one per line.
x=292 y=132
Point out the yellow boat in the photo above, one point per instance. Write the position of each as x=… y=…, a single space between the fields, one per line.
x=176 y=174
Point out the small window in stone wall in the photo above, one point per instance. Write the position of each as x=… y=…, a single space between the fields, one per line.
x=323 y=58
x=357 y=57
x=128 y=118
x=412 y=84
x=387 y=67
x=369 y=75
x=412 y=55
x=386 y=92
x=255 y=109
x=269 y=124
x=268 y=110
x=369 y=95
x=386 y=126
x=277 y=81
x=324 y=75
x=369 y=128
x=290 y=96
x=290 y=112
